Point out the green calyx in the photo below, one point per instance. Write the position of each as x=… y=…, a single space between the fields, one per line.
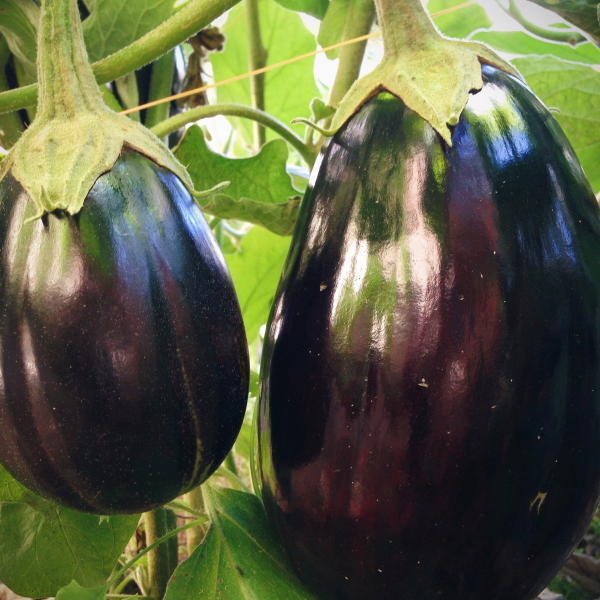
x=433 y=75
x=74 y=137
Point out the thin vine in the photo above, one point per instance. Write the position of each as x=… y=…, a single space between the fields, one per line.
x=190 y=19
x=236 y=110
x=568 y=36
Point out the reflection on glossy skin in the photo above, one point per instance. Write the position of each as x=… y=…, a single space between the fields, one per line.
x=429 y=417
x=123 y=360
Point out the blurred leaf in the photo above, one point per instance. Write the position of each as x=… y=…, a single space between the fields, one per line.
x=256 y=270
x=582 y=13
x=316 y=8
x=333 y=24
x=262 y=177
x=254 y=384
x=18 y=24
x=570 y=590
x=518 y=42
x=300 y=177
x=461 y=20
x=240 y=558
x=289 y=89
x=574 y=90
x=74 y=591
x=244 y=442
x=114 y=24
x=44 y=546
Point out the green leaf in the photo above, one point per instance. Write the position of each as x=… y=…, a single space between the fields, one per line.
x=289 y=89
x=11 y=490
x=316 y=8
x=114 y=24
x=44 y=546
x=256 y=270
x=262 y=177
x=320 y=110
x=582 y=13
x=74 y=591
x=259 y=189
x=518 y=42
x=18 y=24
x=280 y=218
x=240 y=558
x=457 y=19
x=333 y=25
x=575 y=91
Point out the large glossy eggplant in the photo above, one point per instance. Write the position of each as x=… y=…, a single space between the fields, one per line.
x=123 y=359
x=430 y=408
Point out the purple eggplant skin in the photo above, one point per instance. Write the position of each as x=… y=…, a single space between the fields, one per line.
x=123 y=357
x=429 y=419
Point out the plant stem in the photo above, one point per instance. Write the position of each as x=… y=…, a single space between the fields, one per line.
x=195 y=536
x=257 y=58
x=556 y=35
x=358 y=22
x=158 y=559
x=67 y=85
x=159 y=541
x=161 y=85
x=411 y=22
x=11 y=125
x=172 y=543
x=110 y=99
x=195 y=15
x=237 y=110
x=123 y=584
